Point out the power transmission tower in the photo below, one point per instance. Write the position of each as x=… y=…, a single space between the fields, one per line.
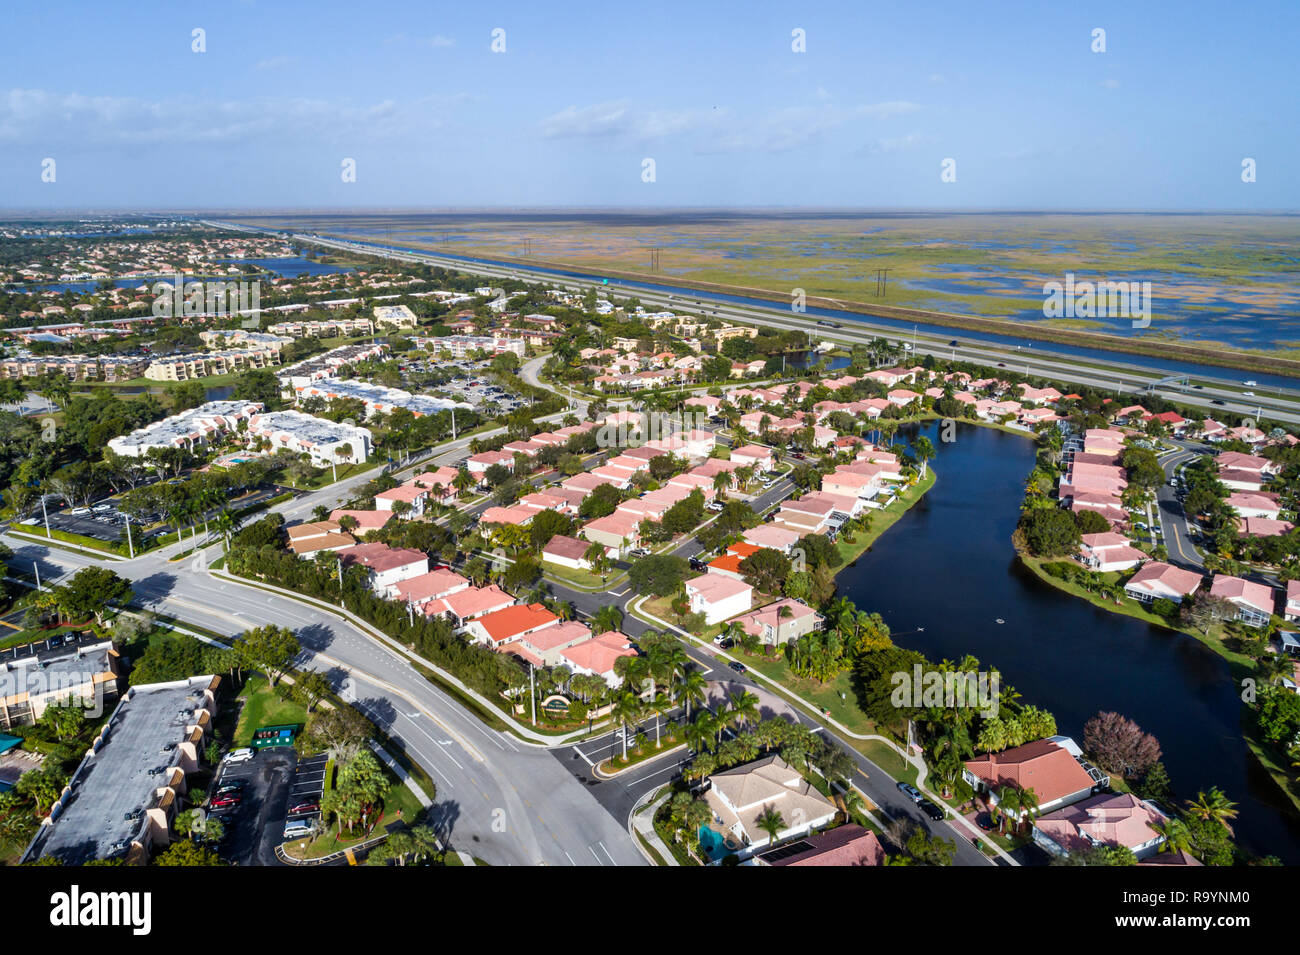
x=654 y=260
x=882 y=281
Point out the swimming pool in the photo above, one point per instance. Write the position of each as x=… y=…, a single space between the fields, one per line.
x=714 y=844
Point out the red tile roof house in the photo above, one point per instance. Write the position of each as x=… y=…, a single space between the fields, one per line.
x=519 y=514
x=542 y=647
x=618 y=532
x=464 y=605
x=444 y=478
x=307 y=540
x=861 y=481
x=387 y=566
x=769 y=535
x=1254 y=504
x=1263 y=527
x=774 y=626
x=501 y=627
x=567 y=552
x=754 y=455
x=1292 y=609
x=597 y=656
x=439 y=582
x=1254 y=602
x=1109 y=551
x=409 y=493
x=728 y=565
x=477 y=464
x=1108 y=819
x=1239 y=480
x=718 y=597
x=1054 y=775
x=843 y=846
x=366 y=520
x=1157 y=579
x=1236 y=461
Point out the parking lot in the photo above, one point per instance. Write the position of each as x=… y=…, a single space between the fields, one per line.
x=256 y=825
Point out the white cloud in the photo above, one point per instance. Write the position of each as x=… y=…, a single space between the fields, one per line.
x=273 y=63
x=45 y=118
x=717 y=129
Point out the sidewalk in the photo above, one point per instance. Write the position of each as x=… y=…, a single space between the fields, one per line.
x=641 y=822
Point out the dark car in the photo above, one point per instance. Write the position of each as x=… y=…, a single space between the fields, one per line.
x=984 y=821
x=737 y=666
x=303 y=807
x=232 y=786
x=931 y=810
x=1216 y=401
x=727 y=643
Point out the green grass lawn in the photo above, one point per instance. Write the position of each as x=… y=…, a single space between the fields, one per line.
x=262 y=707
x=825 y=697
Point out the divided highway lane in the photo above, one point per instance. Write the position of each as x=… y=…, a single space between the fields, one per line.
x=502 y=800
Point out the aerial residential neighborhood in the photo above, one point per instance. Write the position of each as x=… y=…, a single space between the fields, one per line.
x=435 y=437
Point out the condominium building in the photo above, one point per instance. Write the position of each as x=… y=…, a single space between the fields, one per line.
x=84 y=671
x=376 y=398
x=74 y=367
x=188 y=430
x=328 y=442
x=124 y=796
x=207 y=364
x=333 y=327
x=303 y=373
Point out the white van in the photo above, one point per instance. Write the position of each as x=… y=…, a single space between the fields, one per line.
x=298 y=828
x=240 y=755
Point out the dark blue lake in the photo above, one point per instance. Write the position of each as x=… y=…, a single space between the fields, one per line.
x=948 y=566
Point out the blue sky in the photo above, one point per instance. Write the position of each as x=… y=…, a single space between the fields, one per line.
x=712 y=92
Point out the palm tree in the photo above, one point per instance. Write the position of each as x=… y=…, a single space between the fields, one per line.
x=1178 y=838
x=1213 y=805
x=659 y=705
x=627 y=710
x=923 y=451
x=744 y=709
x=227 y=522
x=771 y=822
x=693 y=688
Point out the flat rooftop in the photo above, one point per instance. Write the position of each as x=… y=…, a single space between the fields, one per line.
x=141 y=742
x=41 y=669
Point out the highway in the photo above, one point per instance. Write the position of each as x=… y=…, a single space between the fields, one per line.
x=1218 y=397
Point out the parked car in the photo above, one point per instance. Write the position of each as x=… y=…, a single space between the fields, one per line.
x=231 y=786
x=222 y=800
x=303 y=808
x=737 y=666
x=911 y=792
x=727 y=643
x=931 y=810
x=240 y=755
x=297 y=828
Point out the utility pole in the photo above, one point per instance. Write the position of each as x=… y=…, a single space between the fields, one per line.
x=129 y=544
x=46 y=516
x=37 y=571
x=532 y=695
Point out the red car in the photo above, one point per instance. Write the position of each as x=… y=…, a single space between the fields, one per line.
x=226 y=799
x=304 y=807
